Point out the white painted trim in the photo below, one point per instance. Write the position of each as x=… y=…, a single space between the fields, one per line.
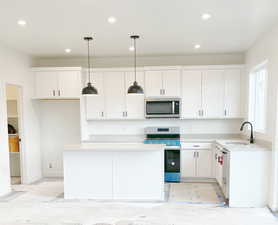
x=21 y=131
x=273 y=201
x=150 y=68
x=119 y=69
x=39 y=69
x=212 y=67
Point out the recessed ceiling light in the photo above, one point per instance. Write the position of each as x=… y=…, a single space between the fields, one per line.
x=197 y=46
x=112 y=20
x=21 y=23
x=206 y=16
x=67 y=50
x=131 y=48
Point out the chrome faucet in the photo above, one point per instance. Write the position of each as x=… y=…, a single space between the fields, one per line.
x=252 y=135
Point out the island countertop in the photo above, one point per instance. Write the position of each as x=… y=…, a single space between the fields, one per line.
x=115 y=147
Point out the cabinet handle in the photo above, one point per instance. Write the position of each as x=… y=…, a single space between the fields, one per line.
x=215 y=156
x=102 y=114
x=196 y=146
x=202 y=112
x=163 y=90
x=197 y=154
x=123 y=114
x=194 y=155
x=126 y=113
x=161 y=93
x=225 y=112
x=59 y=92
x=53 y=92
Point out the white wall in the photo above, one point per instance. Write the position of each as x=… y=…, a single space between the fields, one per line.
x=108 y=62
x=266 y=48
x=14 y=69
x=60 y=126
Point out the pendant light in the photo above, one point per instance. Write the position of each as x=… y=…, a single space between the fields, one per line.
x=89 y=90
x=135 y=88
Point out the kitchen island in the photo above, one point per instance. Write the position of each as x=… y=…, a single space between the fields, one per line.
x=114 y=171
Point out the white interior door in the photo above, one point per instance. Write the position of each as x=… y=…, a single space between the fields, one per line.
x=153 y=83
x=204 y=163
x=69 y=84
x=115 y=92
x=171 y=83
x=232 y=93
x=213 y=93
x=134 y=102
x=191 y=94
x=46 y=84
x=188 y=163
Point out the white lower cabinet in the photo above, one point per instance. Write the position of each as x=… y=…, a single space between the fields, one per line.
x=196 y=162
x=188 y=163
x=204 y=163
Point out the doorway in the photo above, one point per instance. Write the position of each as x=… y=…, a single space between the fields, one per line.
x=13 y=95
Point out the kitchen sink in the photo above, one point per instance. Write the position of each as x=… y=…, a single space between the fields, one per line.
x=237 y=143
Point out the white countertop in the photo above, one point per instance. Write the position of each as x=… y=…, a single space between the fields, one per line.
x=115 y=147
x=240 y=147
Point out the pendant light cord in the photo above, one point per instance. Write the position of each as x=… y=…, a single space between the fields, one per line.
x=89 y=65
x=135 y=59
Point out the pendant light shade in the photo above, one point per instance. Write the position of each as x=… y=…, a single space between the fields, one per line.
x=135 y=88
x=90 y=89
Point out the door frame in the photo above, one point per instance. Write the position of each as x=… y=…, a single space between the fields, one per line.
x=20 y=128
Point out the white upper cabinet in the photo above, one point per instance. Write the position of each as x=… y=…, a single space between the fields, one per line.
x=95 y=104
x=171 y=83
x=191 y=94
x=232 y=93
x=113 y=101
x=69 y=83
x=153 y=83
x=213 y=93
x=134 y=102
x=57 y=83
x=115 y=92
x=46 y=84
x=163 y=83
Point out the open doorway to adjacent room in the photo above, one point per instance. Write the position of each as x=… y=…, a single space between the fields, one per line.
x=13 y=95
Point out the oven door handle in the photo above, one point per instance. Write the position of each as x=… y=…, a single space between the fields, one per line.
x=173 y=107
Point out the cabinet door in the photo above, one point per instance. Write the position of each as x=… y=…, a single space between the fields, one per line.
x=191 y=94
x=46 y=84
x=69 y=84
x=134 y=102
x=232 y=93
x=153 y=83
x=95 y=105
x=188 y=163
x=212 y=93
x=171 y=83
x=114 y=89
x=204 y=163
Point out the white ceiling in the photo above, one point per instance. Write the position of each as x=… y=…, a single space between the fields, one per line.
x=166 y=27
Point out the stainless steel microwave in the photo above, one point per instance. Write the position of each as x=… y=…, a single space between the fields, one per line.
x=162 y=108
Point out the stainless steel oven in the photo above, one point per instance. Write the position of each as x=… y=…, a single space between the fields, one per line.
x=162 y=108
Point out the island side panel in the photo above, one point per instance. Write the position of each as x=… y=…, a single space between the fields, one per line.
x=88 y=175
x=139 y=175
x=249 y=178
